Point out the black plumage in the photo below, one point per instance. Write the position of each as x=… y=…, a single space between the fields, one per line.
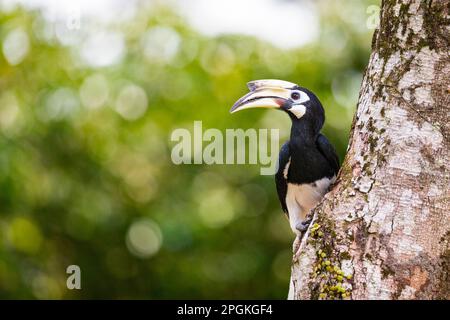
x=308 y=163
x=310 y=155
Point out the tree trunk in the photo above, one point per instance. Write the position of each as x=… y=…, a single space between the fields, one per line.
x=383 y=231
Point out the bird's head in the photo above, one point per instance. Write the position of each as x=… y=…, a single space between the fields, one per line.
x=300 y=103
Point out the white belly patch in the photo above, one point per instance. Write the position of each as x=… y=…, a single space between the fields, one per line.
x=301 y=198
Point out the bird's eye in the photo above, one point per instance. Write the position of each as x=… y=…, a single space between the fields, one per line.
x=295 y=95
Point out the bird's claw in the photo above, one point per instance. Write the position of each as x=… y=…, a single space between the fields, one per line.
x=303 y=226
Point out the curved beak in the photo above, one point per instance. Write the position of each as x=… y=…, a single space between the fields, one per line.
x=264 y=94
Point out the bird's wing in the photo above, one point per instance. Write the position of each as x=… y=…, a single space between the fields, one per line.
x=280 y=179
x=327 y=150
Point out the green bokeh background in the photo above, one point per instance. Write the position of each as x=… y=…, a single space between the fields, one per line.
x=81 y=174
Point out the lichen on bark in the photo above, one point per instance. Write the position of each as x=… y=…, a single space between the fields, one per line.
x=386 y=221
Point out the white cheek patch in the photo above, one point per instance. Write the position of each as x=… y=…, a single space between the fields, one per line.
x=298 y=110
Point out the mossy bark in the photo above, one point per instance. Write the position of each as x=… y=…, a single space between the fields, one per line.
x=383 y=231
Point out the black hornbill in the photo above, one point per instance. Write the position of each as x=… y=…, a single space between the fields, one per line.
x=307 y=163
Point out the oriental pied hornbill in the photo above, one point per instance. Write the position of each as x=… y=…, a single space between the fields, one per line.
x=308 y=163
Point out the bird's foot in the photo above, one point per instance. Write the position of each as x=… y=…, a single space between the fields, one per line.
x=303 y=226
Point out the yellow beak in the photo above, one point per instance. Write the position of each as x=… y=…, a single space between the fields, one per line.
x=264 y=94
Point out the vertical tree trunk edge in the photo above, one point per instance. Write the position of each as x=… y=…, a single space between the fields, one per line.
x=383 y=231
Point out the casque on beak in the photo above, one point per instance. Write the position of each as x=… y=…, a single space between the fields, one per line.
x=264 y=94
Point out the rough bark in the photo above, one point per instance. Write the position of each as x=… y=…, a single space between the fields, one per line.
x=383 y=231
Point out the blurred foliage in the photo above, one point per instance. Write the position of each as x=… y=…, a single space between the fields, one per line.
x=85 y=170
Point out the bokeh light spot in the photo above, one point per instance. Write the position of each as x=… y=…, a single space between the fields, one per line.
x=9 y=111
x=67 y=36
x=218 y=59
x=94 y=91
x=186 y=53
x=16 y=46
x=25 y=235
x=103 y=49
x=60 y=104
x=215 y=209
x=132 y=102
x=144 y=238
x=45 y=287
x=160 y=44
